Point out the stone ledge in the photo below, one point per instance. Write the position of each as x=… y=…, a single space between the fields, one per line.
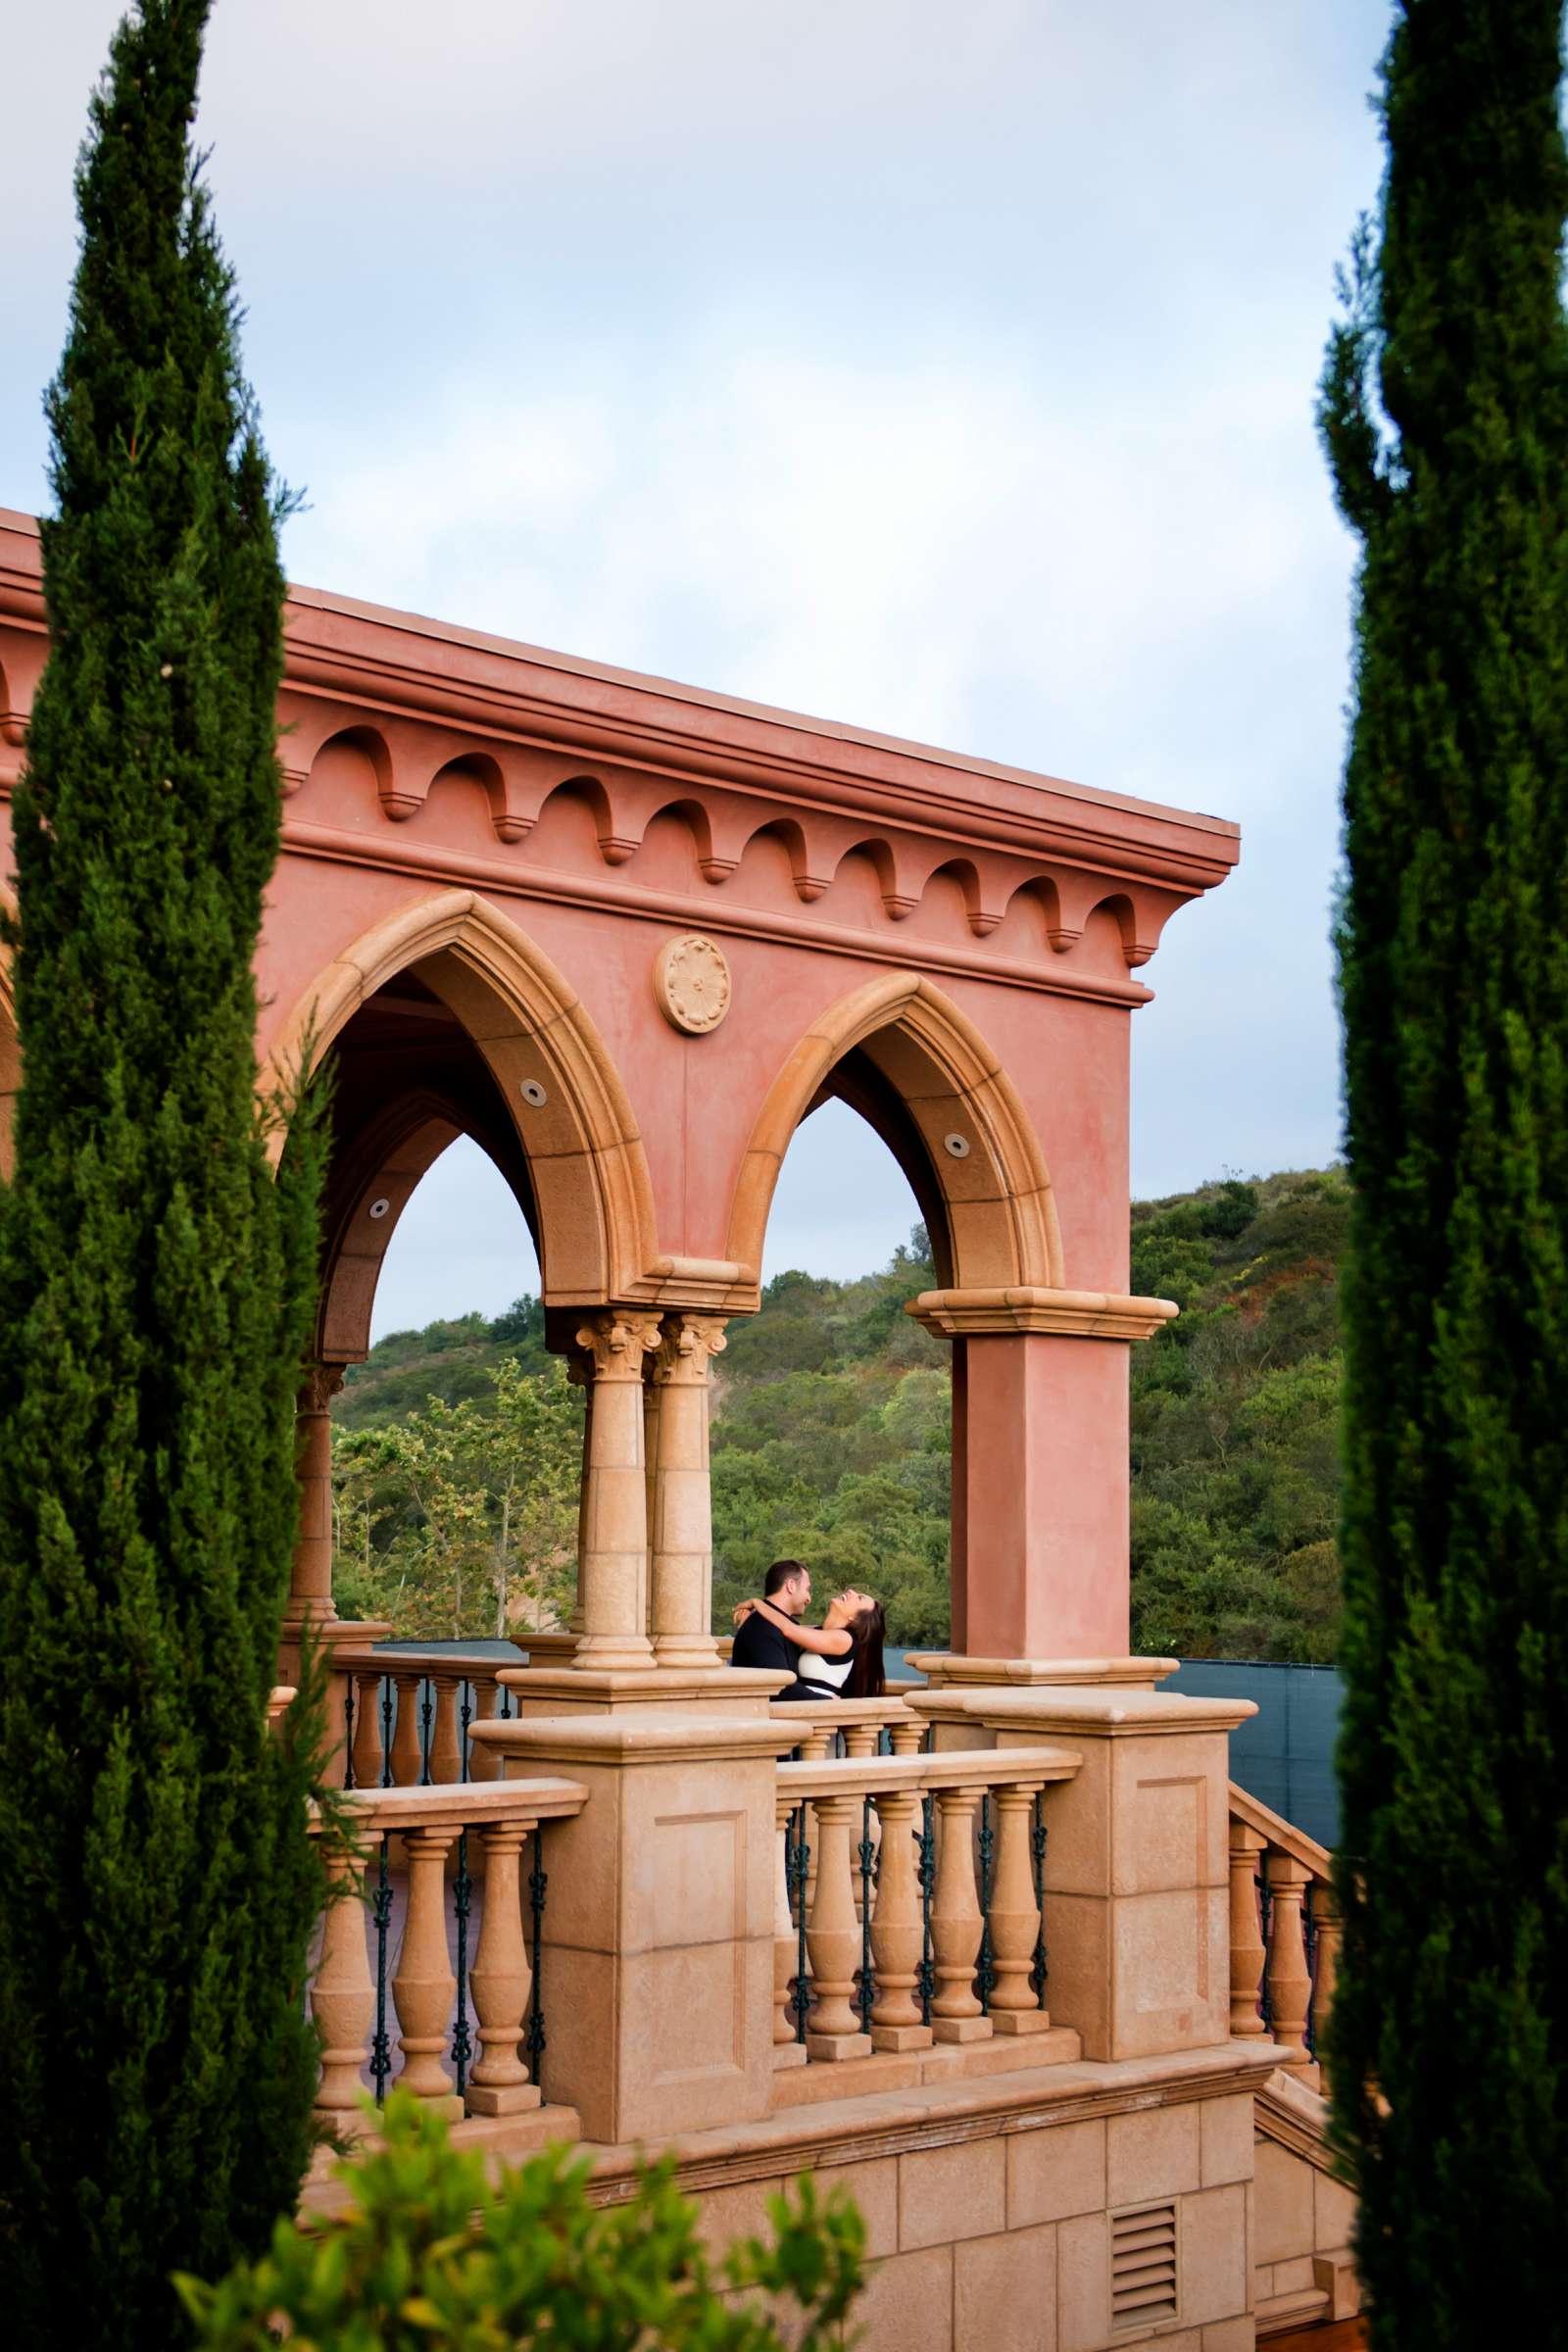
x=509 y=2138
x=853 y=2131
x=1297 y=2119
x=888 y=2071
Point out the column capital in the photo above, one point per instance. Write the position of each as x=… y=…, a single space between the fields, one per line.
x=1029 y=1309
x=322 y=1384
x=687 y=1343
x=616 y=1343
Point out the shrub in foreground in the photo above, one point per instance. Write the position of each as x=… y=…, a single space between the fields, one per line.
x=435 y=2255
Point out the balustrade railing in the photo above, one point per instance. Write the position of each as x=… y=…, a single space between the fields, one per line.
x=919 y=1915
x=406 y=1716
x=850 y=1727
x=428 y=1972
x=1285 y=1935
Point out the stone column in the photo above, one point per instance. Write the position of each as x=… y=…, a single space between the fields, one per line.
x=580 y=1374
x=614 y=1508
x=682 y=1525
x=1040 y=1467
x=310 y=1598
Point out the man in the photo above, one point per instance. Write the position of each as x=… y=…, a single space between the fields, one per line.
x=786 y=1587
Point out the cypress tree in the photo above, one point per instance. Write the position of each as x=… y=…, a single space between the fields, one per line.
x=157 y=1889
x=1445 y=414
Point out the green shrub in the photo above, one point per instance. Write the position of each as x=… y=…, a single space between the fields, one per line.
x=434 y=2256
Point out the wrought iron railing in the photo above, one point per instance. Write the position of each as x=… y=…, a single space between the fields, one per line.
x=429 y=1973
x=911 y=1900
x=407 y=1715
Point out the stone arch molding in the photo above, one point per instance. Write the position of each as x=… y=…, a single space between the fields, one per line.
x=983 y=1152
x=597 y=1232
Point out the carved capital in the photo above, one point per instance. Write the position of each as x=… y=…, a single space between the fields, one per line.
x=686 y=1346
x=322 y=1384
x=615 y=1344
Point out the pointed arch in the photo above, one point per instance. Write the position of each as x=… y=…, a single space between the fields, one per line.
x=571 y=1114
x=981 y=1149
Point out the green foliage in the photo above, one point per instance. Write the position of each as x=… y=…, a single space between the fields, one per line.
x=1235 y=1421
x=463 y=1518
x=435 y=2256
x=155 y=1293
x=1445 y=413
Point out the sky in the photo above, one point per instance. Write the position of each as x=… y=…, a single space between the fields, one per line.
x=948 y=370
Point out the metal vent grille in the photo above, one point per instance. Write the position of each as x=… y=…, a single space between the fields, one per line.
x=1142 y=2266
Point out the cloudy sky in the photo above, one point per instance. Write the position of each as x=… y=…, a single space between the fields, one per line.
x=945 y=368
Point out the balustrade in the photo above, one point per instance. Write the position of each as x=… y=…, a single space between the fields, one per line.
x=407 y=1717
x=1285 y=1935
x=894 y=1930
x=411 y=1864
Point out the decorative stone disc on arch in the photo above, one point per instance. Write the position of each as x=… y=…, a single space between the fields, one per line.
x=571 y=1110
x=983 y=1154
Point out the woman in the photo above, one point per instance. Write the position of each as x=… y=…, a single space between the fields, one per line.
x=844 y=1654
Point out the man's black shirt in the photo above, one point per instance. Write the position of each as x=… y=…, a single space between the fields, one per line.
x=759 y=1643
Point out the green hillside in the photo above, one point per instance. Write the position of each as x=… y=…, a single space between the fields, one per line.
x=831 y=1440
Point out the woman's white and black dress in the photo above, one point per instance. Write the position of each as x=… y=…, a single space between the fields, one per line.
x=825 y=1678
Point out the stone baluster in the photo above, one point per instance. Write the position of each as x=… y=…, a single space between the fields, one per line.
x=500 y=1978
x=343 y=1997
x=615 y=1555
x=833 y=1937
x=1246 y=1937
x=897 y=1935
x=425 y=1985
x=1290 y=1987
x=446 y=1746
x=906 y=1736
x=368 y=1755
x=787 y=2050
x=1014 y=1915
x=955 y=1922
x=484 y=1764
x=681 y=1524
x=860 y=1742
x=408 y=1732
x=1329 y=1933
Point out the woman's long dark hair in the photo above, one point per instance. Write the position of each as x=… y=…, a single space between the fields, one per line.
x=865 y=1678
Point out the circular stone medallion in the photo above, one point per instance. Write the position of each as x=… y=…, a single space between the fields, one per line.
x=691 y=982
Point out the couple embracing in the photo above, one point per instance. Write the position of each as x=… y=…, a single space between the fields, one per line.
x=841 y=1658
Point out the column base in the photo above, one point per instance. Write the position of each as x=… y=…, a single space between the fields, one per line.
x=1020 y=2021
x=614 y=1653
x=900 y=2038
x=597 y=1691
x=787 y=2054
x=686 y=1653
x=961 y=2029
x=506 y=2098
x=834 y=2048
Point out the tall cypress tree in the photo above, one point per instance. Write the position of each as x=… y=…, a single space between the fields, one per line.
x=155 y=1884
x=1445 y=413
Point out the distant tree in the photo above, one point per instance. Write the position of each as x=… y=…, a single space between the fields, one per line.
x=155 y=1293
x=1444 y=411
x=462 y=1519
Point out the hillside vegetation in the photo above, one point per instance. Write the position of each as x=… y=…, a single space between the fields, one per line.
x=832 y=1439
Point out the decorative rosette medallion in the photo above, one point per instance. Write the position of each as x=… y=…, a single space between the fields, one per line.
x=691 y=983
